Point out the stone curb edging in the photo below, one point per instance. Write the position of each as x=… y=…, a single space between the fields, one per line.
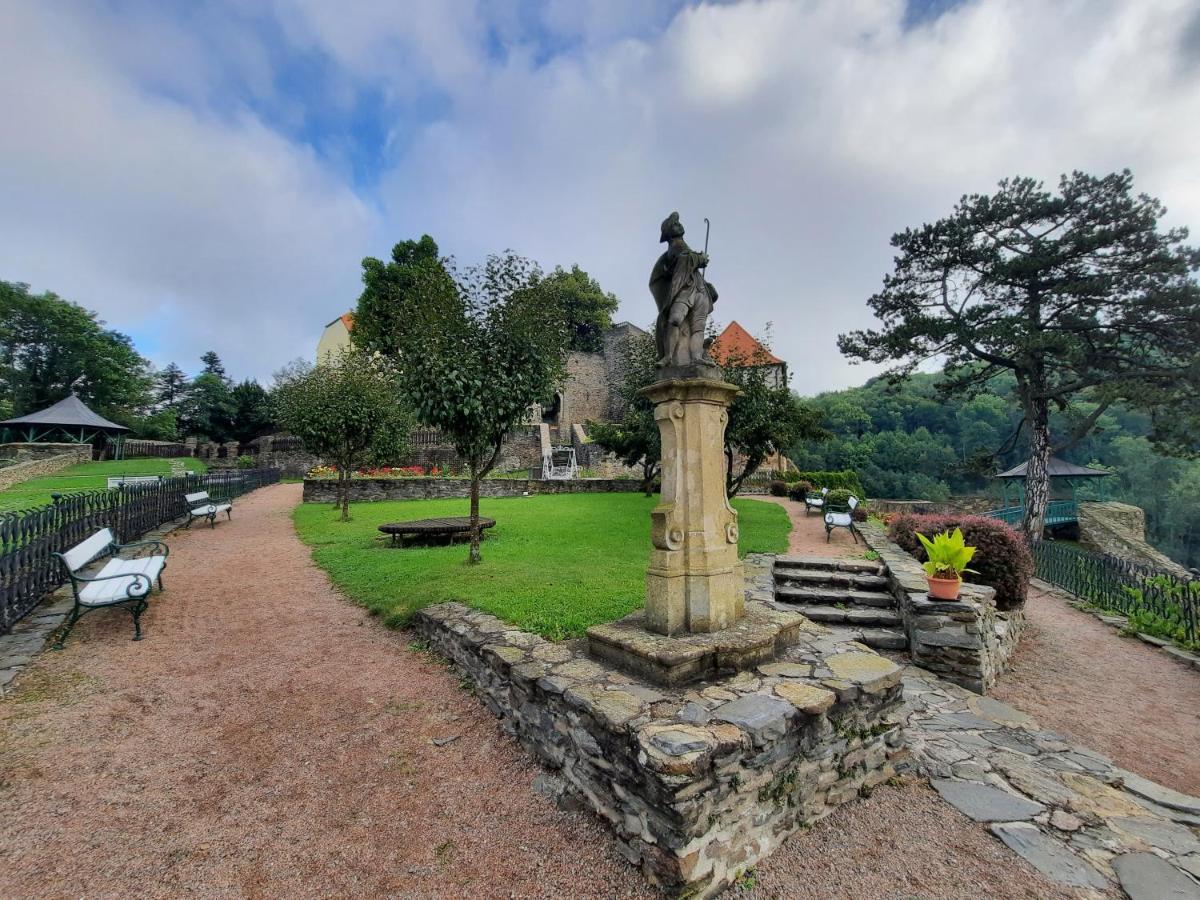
x=1120 y=623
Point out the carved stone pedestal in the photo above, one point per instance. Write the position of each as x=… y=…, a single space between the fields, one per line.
x=694 y=624
x=694 y=583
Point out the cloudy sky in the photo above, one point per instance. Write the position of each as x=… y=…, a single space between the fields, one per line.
x=209 y=174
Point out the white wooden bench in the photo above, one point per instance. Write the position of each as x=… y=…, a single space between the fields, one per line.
x=815 y=501
x=842 y=519
x=118 y=480
x=201 y=506
x=121 y=582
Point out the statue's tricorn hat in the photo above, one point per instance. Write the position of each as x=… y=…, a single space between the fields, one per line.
x=671 y=228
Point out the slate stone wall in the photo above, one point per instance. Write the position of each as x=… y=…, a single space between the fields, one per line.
x=40 y=462
x=697 y=785
x=324 y=490
x=967 y=641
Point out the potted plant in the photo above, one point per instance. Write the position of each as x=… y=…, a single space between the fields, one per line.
x=948 y=555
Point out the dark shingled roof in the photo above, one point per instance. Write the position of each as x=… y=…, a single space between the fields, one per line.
x=69 y=412
x=1058 y=469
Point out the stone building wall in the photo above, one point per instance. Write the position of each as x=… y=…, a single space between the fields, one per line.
x=585 y=395
x=967 y=641
x=324 y=490
x=36 y=460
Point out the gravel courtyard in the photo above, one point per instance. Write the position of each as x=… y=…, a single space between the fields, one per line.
x=269 y=739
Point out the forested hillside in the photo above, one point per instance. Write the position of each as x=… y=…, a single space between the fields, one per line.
x=908 y=442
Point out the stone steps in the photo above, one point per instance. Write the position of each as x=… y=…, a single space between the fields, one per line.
x=857 y=580
x=851 y=615
x=850 y=596
x=784 y=564
x=828 y=595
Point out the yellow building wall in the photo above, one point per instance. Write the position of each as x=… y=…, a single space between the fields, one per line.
x=334 y=339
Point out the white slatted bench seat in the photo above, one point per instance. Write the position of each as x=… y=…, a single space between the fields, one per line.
x=201 y=506
x=815 y=501
x=118 y=480
x=123 y=582
x=841 y=519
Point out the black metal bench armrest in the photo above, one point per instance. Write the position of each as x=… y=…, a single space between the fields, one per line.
x=166 y=551
x=129 y=590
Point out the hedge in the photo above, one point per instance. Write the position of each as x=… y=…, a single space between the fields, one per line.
x=847 y=479
x=1002 y=558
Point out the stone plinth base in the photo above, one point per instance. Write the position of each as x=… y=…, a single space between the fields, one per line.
x=697 y=784
x=756 y=638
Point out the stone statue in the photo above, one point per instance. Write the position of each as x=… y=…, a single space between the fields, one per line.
x=684 y=299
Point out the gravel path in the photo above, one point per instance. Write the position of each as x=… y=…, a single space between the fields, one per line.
x=268 y=739
x=1132 y=702
x=808 y=532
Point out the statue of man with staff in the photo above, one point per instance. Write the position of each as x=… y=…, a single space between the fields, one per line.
x=684 y=299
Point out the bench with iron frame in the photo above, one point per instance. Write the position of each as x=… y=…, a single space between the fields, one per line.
x=201 y=506
x=122 y=582
x=841 y=518
x=815 y=501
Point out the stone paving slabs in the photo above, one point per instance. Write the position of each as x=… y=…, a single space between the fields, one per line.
x=1048 y=855
x=985 y=803
x=1145 y=876
x=1076 y=817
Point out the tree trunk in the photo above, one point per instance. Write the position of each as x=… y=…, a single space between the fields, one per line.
x=474 y=556
x=648 y=480
x=344 y=494
x=1037 y=476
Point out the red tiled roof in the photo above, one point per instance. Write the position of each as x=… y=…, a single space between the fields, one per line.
x=348 y=320
x=735 y=341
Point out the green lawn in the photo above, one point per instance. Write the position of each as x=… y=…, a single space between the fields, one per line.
x=554 y=563
x=88 y=476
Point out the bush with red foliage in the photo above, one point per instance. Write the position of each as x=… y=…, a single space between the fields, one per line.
x=1002 y=558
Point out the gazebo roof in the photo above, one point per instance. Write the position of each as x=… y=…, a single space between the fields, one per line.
x=1058 y=468
x=70 y=412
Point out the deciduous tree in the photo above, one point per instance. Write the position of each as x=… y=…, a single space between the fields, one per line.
x=48 y=343
x=587 y=308
x=485 y=344
x=383 y=315
x=348 y=411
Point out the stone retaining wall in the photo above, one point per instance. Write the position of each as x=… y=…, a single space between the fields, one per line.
x=324 y=490
x=970 y=505
x=1119 y=529
x=40 y=462
x=967 y=641
x=697 y=784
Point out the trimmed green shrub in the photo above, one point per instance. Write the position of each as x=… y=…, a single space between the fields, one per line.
x=838 y=498
x=799 y=490
x=778 y=488
x=846 y=479
x=789 y=476
x=1002 y=558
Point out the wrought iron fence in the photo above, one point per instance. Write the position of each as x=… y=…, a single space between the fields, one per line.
x=28 y=537
x=134 y=449
x=1117 y=584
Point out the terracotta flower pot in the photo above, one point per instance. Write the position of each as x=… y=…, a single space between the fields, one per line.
x=944 y=588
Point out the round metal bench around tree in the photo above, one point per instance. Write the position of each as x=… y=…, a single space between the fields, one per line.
x=448 y=527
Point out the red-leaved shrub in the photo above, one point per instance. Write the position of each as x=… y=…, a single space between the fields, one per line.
x=1002 y=557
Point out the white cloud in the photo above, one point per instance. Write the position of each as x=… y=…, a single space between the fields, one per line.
x=808 y=133
x=151 y=212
